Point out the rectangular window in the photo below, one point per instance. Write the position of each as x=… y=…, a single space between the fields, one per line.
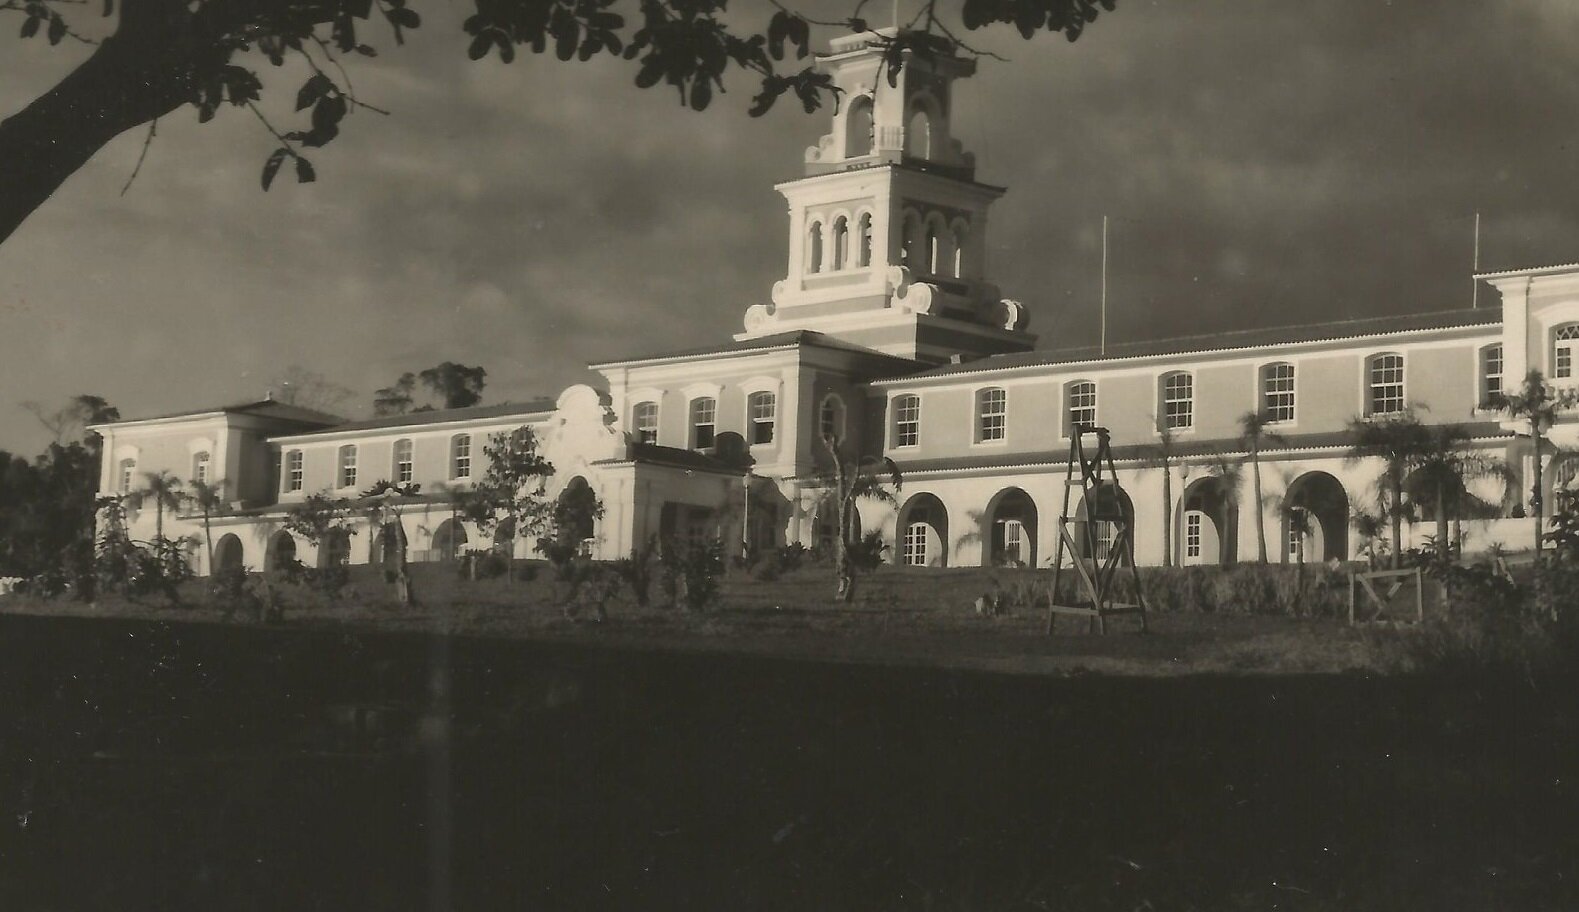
x=405 y=465
x=293 y=470
x=128 y=467
x=992 y=413
x=704 y=423
x=1277 y=392
x=644 y=420
x=1192 y=535
x=1387 y=385
x=1082 y=409
x=347 y=475
x=200 y=467
x=907 y=421
x=461 y=456
x=1178 y=402
x=1490 y=373
x=1566 y=339
x=1014 y=541
x=764 y=408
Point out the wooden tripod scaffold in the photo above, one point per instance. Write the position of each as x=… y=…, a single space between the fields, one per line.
x=1103 y=501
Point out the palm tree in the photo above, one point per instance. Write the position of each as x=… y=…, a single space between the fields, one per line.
x=1253 y=434
x=848 y=482
x=1536 y=403
x=164 y=489
x=210 y=500
x=1398 y=441
x=1443 y=466
x=1371 y=527
x=1161 y=455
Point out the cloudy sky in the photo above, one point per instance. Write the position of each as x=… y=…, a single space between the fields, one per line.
x=1265 y=163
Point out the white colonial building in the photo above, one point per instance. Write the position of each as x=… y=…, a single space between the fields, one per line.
x=886 y=333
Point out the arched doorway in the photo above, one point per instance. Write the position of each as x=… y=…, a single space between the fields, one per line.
x=1008 y=530
x=280 y=553
x=504 y=537
x=1094 y=535
x=335 y=549
x=227 y=553
x=923 y=532
x=1208 y=518
x=858 y=128
x=576 y=513
x=1319 y=500
x=449 y=540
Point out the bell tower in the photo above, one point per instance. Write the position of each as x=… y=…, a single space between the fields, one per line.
x=887 y=241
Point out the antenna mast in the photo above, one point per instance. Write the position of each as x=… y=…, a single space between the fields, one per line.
x=1474 y=288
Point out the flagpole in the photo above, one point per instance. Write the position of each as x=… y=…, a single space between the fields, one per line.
x=1104 y=287
x=1474 y=293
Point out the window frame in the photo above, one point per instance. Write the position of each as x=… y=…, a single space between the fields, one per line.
x=128 y=473
x=1565 y=346
x=1483 y=360
x=640 y=429
x=755 y=422
x=906 y=431
x=1069 y=405
x=403 y=470
x=1265 y=393
x=1174 y=413
x=914 y=546
x=696 y=424
x=992 y=427
x=345 y=468
x=294 y=477
x=460 y=457
x=1372 y=385
x=202 y=460
x=837 y=416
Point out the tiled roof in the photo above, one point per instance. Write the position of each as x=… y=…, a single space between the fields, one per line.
x=760 y=343
x=440 y=416
x=262 y=408
x=1228 y=446
x=1226 y=341
x=675 y=457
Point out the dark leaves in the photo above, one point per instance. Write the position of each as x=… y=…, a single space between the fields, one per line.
x=312 y=90
x=304 y=171
x=272 y=166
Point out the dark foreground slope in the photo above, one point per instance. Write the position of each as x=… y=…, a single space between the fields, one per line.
x=156 y=766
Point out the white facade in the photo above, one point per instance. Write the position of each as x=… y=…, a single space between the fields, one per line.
x=887 y=333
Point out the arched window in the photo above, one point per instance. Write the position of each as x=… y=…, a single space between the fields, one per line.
x=763 y=410
x=830 y=418
x=858 y=127
x=346 y=477
x=863 y=240
x=294 y=470
x=918 y=134
x=912 y=239
x=128 y=469
x=1385 y=377
x=1490 y=373
x=644 y=421
x=814 y=248
x=704 y=422
x=1178 y=401
x=405 y=466
x=934 y=248
x=200 y=467
x=1080 y=405
x=907 y=420
x=461 y=456
x=992 y=414
x=1277 y=392
x=959 y=233
x=841 y=243
x=1565 y=350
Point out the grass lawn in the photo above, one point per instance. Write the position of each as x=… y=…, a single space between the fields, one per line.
x=899 y=616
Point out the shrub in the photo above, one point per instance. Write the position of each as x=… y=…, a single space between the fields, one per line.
x=636 y=571
x=691 y=571
x=483 y=563
x=867 y=554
